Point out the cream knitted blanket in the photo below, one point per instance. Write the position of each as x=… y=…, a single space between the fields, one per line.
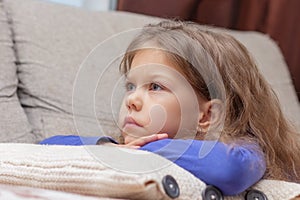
x=105 y=171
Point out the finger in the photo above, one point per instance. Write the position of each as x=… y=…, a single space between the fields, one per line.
x=162 y=136
x=144 y=140
x=151 y=138
x=130 y=146
x=127 y=146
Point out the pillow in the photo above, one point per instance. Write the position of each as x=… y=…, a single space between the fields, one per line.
x=52 y=41
x=102 y=171
x=14 y=126
x=13 y=192
x=106 y=171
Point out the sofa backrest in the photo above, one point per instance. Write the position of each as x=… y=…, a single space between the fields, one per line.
x=14 y=125
x=51 y=42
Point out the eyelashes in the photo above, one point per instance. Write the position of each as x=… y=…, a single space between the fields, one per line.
x=156 y=87
x=130 y=87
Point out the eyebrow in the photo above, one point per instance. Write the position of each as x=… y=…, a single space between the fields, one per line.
x=152 y=75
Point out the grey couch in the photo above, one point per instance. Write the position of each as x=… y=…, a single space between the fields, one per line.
x=42 y=47
x=54 y=81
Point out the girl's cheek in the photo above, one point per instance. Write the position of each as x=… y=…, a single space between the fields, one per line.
x=122 y=114
x=157 y=118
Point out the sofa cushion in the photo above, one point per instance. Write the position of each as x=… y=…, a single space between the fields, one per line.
x=14 y=126
x=52 y=42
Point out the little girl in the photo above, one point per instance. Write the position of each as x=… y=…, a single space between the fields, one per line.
x=196 y=97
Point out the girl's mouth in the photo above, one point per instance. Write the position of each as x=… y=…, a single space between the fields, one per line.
x=129 y=121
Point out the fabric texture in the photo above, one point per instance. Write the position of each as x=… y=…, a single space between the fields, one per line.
x=232 y=170
x=14 y=126
x=93 y=170
x=105 y=171
x=72 y=140
x=51 y=46
x=42 y=47
x=13 y=192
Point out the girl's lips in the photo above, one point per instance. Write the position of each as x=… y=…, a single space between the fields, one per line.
x=130 y=121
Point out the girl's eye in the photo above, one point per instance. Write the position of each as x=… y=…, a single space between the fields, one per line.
x=130 y=87
x=155 y=87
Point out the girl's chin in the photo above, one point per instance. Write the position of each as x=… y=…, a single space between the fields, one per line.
x=134 y=133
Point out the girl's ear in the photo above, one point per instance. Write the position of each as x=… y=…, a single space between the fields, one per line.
x=211 y=115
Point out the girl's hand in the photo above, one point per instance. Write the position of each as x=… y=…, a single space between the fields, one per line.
x=139 y=142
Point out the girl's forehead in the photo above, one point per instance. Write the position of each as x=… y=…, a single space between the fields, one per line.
x=147 y=57
x=150 y=71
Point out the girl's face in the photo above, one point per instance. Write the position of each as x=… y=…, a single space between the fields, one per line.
x=158 y=99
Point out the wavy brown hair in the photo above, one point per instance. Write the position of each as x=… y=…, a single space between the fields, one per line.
x=252 y=112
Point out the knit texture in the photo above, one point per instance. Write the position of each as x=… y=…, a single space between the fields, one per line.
x=110 y=172
x=78 y=170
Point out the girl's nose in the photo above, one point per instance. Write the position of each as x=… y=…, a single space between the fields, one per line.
x=134 y=101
